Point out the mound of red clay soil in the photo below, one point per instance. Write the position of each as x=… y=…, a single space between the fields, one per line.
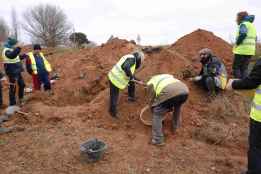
x=190 y=44
x=212 y=139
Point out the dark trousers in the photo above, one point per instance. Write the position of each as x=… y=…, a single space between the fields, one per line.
x=12 y=88
x=114 y=96
x=209 y=84
x=254 y=152
x=240 y=66
x=41 y=79
x=160 y=110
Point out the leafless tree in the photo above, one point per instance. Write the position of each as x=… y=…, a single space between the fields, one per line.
x=4 y=30
x=15 y=24
x=47 y=24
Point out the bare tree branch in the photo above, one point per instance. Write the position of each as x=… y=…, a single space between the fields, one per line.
x=15 y=24
x=4 y=30
x=47 y=24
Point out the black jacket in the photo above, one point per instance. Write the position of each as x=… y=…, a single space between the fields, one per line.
x=212 y=68
x=252 y=81
x=126 y=66
x=13 y=69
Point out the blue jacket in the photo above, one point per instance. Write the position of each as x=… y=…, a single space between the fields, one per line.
x=243 y=29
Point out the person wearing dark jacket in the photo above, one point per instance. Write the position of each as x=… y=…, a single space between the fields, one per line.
x=39 y=67
x=121 y=76
x=13 y=69
x=245 y=46
x=213 y=74
x=252 y=81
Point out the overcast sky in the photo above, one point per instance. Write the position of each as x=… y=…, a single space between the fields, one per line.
x=157 y=21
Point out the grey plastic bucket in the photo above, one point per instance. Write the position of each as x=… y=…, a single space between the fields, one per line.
x=92 y=150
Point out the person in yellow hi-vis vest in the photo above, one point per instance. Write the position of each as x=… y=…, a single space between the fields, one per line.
x=252 y=81
x=213 y=74
x=165 y=93
x=13 y=65
x=122 y=76
x=39 y=67
x=245 y=45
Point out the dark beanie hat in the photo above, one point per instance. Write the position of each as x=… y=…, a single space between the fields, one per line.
x=37 y=47
x=11 y=41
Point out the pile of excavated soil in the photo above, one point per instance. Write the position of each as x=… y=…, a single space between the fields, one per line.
x=190 y=44
x=212 y=139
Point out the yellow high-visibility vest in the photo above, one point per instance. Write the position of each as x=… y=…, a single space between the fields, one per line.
x=117 y=75
x=159 y=82
x=248 y=46
x=8 y=60
x=33 y=63
x=255 y=113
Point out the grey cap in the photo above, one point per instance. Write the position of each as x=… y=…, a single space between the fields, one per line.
x=206 y=51
x=140 y=54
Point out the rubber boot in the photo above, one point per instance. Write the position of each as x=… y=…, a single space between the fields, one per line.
x=211 y=87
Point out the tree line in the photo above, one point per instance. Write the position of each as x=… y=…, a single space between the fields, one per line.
x=45 y=24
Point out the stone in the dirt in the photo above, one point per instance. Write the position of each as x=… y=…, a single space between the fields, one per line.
x=12 y=110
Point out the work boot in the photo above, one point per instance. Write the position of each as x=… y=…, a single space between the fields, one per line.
x=131 y=99
x=4 y=130
x=113 y=114
x=50 y=93
x=21 y=102
x=157 y=142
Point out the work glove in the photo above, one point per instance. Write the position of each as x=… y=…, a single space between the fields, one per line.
x=229 y=84
x=195 y=79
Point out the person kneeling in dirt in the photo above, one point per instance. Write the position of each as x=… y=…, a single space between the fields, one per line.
x=121 y=76
x=213 y=74
x=165 y=93
x=39 y=67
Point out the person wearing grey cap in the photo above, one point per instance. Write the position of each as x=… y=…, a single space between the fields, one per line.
x=122 y=76
x=213 y=74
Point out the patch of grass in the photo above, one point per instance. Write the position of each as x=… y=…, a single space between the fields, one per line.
x=2 y=142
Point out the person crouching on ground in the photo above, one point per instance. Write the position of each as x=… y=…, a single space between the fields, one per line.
x=213 y=74
x=39 y=67
x=165 y=93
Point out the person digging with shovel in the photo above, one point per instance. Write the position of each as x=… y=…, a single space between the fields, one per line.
x=122 y=76
x=165 y=94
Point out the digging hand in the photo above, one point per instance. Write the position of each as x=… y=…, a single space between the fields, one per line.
x=229 y=84
x=139 y=82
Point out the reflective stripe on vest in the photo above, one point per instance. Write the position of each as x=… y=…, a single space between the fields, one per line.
x=117 y=75
x=256 y=106
x=159 y=82
x=8 y=60
x=248 y=46
x=33 y=63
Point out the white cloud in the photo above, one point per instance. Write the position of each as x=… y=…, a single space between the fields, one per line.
x=156 y=21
